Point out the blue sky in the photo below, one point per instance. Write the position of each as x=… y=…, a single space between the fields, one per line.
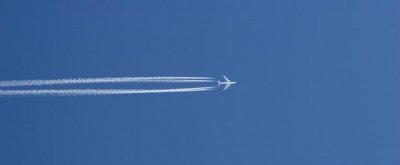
x=318 y=82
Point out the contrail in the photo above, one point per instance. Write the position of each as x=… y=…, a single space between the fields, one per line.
x=16 y=83
x=92 y=92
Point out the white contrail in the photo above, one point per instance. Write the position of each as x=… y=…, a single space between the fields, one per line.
x=15 y=83
x=80 y=92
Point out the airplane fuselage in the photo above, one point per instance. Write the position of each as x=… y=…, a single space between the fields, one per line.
x=226 y=83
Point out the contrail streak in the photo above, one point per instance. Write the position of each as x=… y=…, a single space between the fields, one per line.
x=81 y=92
x=16 y=83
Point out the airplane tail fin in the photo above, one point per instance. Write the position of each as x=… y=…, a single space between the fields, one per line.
x=219 y=83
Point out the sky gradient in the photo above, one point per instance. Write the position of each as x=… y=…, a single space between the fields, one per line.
x=318 y=82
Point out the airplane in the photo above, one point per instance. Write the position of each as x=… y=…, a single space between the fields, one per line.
x=227 y=82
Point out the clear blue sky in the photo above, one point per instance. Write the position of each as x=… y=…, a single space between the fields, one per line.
x=318 y=82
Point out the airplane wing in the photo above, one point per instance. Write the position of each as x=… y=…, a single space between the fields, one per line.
x=226 y=78
x=227 y=86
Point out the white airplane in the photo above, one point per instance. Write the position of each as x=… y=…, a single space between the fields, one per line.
x=227 y=82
